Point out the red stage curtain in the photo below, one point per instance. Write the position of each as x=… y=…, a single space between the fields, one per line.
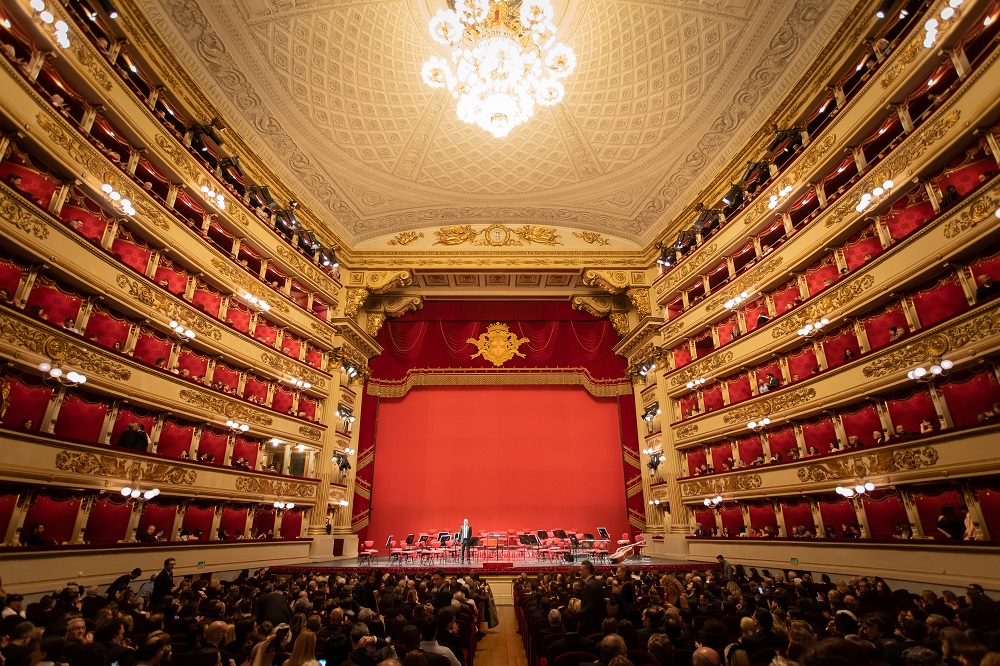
x=108 y=520
x=199 y=518
x=206 y=299
x=11 y=273
x=213 y=443
x=282 y=400
x=836 y=511
x=720 y=454
x=739 y=389
x=695 y=458
x=94 y=224
x=256 y=388
x=160 y=514
x=81 y=418
x=798 y=515
x=836 y=344
x=128 y=415
x=229 y=377
x=802 y=364
x=314 y=357
x=56 y=511
x=929 y=502
x=821 y=274
x=574 y=478
x=193 y=362
x=884 y=511
x=784 y=297
x=150 y=347
x=877 y=325
x=909 y=408
x=732 y=517
x=782 y=441
x=713 y=397
x=28 y=399
x=749 y=448
x=233 y=520
x=988 y=492
x=246 y=449
x=131 y=250
x=969 y=394
x=939 y=302
x=291 y=525
x=175 y=438
x=861 y=423
x=8 y=502
x=108 y=326
x=57 y=302
x=263 y=520
x=706 y=518
x=762 y=515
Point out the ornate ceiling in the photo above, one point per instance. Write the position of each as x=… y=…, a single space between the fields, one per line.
x=330 y=92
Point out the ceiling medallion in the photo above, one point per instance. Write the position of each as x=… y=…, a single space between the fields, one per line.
x=506 y=60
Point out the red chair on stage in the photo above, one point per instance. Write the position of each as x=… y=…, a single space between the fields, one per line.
x=368 y=554
x=624 y=541
x=395 y=552
x=640 y=548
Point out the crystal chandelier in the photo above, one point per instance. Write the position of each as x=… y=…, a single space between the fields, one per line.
x=506 y=60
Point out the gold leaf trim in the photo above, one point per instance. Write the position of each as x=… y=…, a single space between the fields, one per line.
x=258 y=486
x=60 y=349
x=726 y=484
x=769 y=405
x=16 y=211
x=309 y=432
x=875 y=462
x=225 y=407
x=119 y=466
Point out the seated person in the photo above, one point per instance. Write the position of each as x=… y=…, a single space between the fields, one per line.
x=895 y=333
x=987 y=288
x=926 y=427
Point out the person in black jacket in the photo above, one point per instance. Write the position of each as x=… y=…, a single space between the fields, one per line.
x=573 y=641
x=763 y=637
x=272 y=606
x=122 y=582
x=593 y=607
x=442 y=590
x=163 y=584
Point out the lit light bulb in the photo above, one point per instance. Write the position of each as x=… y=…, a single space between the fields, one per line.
x=55 y=372
x=44 y=367
x=947 y=365
x=126 y=491
x=869 y=486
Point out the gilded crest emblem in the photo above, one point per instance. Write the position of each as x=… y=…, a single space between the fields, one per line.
x=497 y=345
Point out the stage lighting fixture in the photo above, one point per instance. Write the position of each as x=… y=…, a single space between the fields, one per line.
x=734 y=196
x=664 y=260
x=109 y=9
x=263 y=194
x=883 y=9
x=232 y=163
x=209 y=131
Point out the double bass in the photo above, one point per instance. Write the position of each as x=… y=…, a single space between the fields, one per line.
x=621 y=554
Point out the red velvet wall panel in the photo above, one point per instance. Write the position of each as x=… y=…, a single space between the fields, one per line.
x=861 y=252
x=782 y=441
x=841 y=346
x=150 y=347
x=908 y=215
x=725 y=330
x=233 y=520
x=837 y=513
x=248 y=450
x=861 y=423
x=802 y=364
x=228 y=376
x=126 y=416
x=820 y=434
x=213 y=443
x=160 y=516
x=8 y=503
x=27 y=401
x=11 y=273
x=682 y=355
x=314 y=357
x=989 y=265
x=707 y=518
x=785 y=297
x=750 y=448
x=877 y=326
x=739 y=389
x=194 y=363
x=821 y=275
x=108 y=327
x=256 y=388
x=107 y=521
x=307 y=407
x=762 y=516
x=131 y=251
x=35 y=186
x=943 y=300
x=731 y=518
x=969 y=394
x=713 y=397
x=265 y=332
x=752 y=312
x=57 y=516
x=172 y=278
x=238 y=318
x=909 y=410
x=929 y=505
x=571 y=482
x=290 y=346
x=695 y=459
x=966 y=177
x=798 y=515
x=689 y=404
x=291 y=525
x=93 y=225
x=884 y=513
x=175 y=438
x=263 y=520
x=198 y=519
x=80 y=418
x=57 y=304
x=207 y=301
x=720 y=454
x=282 y=401
x=988 y=493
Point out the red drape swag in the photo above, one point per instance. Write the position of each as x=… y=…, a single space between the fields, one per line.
x=213 y=443
x=706 y=518
x=246 y=449
x=291 y=524
x=782 y=441
x=929 y=502
x=762 y=515
x=175 y=437
x=8 y=502
x=282 y=400
x=732 y=518
x=128 y=415
x=819 y=433
x=696 y=458
x=940 y=301
x=150 y=346
x=132 y=251
x=108 y=326
x=28 y=399
x=909 y=408
x=970 y=394
x=749 y=448
x=233 y=520
x=263 y=520
x=837 y=343
x=884 y=511
x=861 y=423
x=56 y=513
x=557 y=337
x=11 y=273
x=836 y=511
x=798 y=515
x=160 y=514
x=988 y=492
x=199 y=518
x=108 y=520
x=785 y=296
x=802 y=364
x=877 y=325
x=739 y=389
x=81 y=418
x=57 y=303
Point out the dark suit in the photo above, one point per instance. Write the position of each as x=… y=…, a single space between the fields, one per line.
x=593 y=608
x=762 y=640
x=163 y=585
x=465 y=538
x=574 y=642
x=273 y=608
x=442 y=597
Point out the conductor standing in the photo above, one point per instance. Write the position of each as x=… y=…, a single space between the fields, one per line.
x=465 y=538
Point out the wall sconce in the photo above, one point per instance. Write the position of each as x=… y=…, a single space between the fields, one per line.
x=135 y=493
x=646 y=368
x=256 y=303
x=237 y=426
x=859 y=489
x=274 y=441
x=938 y=368
x=120 y=204
x=779 y=197
x=218 y=200
x=60 y=28
x=812 y=329
x=875 y=195
x=180 y=331
x=299 y=383
x=343 y=502
x=284 y=505
x=713 y=502
x=759 y=425
x=696 y=382
x=66 y=378
x=351 y=371
x=651 y=412
x=735 y=302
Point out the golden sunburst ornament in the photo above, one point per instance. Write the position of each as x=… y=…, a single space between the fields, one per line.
x=497 y=345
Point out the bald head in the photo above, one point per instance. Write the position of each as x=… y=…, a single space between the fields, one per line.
x=215 y=633
x=704 y=656
x=337 y=617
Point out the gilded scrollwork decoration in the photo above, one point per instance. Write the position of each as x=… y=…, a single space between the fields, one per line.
x=118 y=466
x=497 y=235
x=769 y=405
x=870 y=463
x=726 y=484
x=497 y=345
x=404 y=238
x=231 y=409
x=258 y=486
x=592 y=238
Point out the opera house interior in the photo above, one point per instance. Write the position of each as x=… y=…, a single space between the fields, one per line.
x=304 y=283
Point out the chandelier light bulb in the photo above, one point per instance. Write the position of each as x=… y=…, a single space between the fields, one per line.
x=44 y=367
x=919 y=372
x=56 y=373
x=869 y=486
x=126 y=491
x=936 y=369
x=947 y=13
x=947 y=365
x=135 y=493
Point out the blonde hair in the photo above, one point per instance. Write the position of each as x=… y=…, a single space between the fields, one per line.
x=304 y=650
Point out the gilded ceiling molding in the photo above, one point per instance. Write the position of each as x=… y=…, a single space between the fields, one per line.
x=701 y=368
x=231 y=409
x=687 y=267
x=15 y=211
x=154 y=298
x=613 y=282
x=769 y=405
x=259 y=486
x=310 y=432
x=592 y=238
x=123 y=467
x=982 y=208
x=619 y=321
x=248 y=284
x=286 y=365
x=380 y=310
x=382 y=281
x=840 y=297
x=59 y=348
x=876 y=461
x=686 y=431
x=405 y=238
x=730 y=483
x=497 y=235
x=355 y=299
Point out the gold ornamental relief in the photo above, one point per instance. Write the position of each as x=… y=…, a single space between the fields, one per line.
x=497 y=345
x=497 y=235
x=592 y=238
x=405 y=237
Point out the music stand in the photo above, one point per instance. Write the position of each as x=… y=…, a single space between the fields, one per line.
x=388 y=541
x=588 y=536
x=603 y=532
x=560 y=533
x=542 y=534
x=443 y=536
x=409 y=539
x=423 y=537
